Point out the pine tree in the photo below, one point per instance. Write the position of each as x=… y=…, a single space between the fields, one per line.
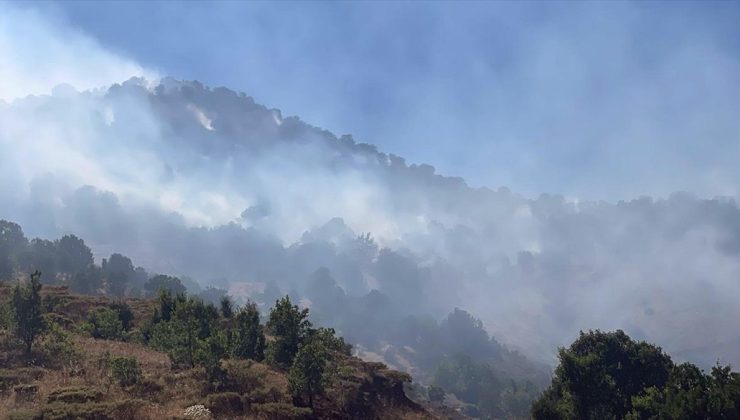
x=249 y=342
x=27 y=311
x=306 y=376
x=289 y=325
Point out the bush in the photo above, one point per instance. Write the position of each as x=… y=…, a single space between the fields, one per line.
x=58 y=349
x=279 y=411
x=104 y=323
x=74 y=395
x=124 y=370
x=126 y=409
x=12 y=377
x=125 y=314
x=26 y=414
x=225 y=404
x=242 y=376
x=25 y=392
x=148 y=388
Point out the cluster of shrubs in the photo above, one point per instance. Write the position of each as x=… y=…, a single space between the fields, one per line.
x=196 y=333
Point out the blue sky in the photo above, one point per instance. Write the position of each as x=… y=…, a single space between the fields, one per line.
x=591 y=100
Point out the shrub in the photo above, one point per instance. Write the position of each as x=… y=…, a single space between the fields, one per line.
x=104 y=323
x=125 y=314
x=25 y=392
x=127 y=409
x=148 y=388
x=27 y=312
x=225 y=404
x=26 y=414
x=74 y=395
x=58 y=348
x=11 y=377
x=279 y=411
x=124 y=370
x=242 y=375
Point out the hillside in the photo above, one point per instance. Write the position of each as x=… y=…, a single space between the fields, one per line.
x=208 y=184
x=69 y=374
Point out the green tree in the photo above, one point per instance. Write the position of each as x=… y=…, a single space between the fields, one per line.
x=12 y=243
x=306 y=375
x=40 y=255
x=227 y=307
x=125 y=314
x=105 y=323
x=74 y=255
x=87 y=281
x=117 y=269
x=600 y=374
x=27 y=314
x=125 y=370
x=161 y=281
x=249 y=339
x=289 y=325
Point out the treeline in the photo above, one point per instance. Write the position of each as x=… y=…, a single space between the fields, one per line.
x=442 y=353
x=69 y=261
x=607 y=375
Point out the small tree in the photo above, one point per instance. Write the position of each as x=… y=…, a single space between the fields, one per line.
x=249 y=340
x=289 y=325
x=306 y=376
x=125 y=370
x=227 y=307
x=105 y=323
x=29 y=322
x=118 y=269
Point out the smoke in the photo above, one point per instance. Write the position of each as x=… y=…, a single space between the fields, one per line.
x=206 y=183
x=39 y=52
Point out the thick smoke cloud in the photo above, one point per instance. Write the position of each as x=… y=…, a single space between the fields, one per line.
x=40 y=51
x=206 y=183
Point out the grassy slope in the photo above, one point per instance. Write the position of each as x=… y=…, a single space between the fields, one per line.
x=357 y=389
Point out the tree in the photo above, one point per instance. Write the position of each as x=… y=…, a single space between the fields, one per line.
x=41 y=255
x=289 y=325
x=12 y=243
x=227 y=307
x=117 y=270
x=249 y=340
x=29 y=322
x=74 y=255
x=161 y=281
x=105 y=323
x=125 y=314
x=600 y=374
x=87 y=281
x=306 y=375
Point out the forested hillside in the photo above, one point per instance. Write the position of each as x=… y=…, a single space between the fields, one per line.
x=457 y=366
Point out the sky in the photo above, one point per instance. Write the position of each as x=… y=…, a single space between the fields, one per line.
x=596 y=101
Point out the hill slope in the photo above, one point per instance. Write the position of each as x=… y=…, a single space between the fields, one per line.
x=69 y=374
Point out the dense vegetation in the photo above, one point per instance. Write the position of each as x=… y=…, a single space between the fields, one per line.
x=436 y=353
x=236 y=367
x=607 y=375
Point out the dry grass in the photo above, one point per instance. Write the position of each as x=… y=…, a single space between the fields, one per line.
x=168 y=391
